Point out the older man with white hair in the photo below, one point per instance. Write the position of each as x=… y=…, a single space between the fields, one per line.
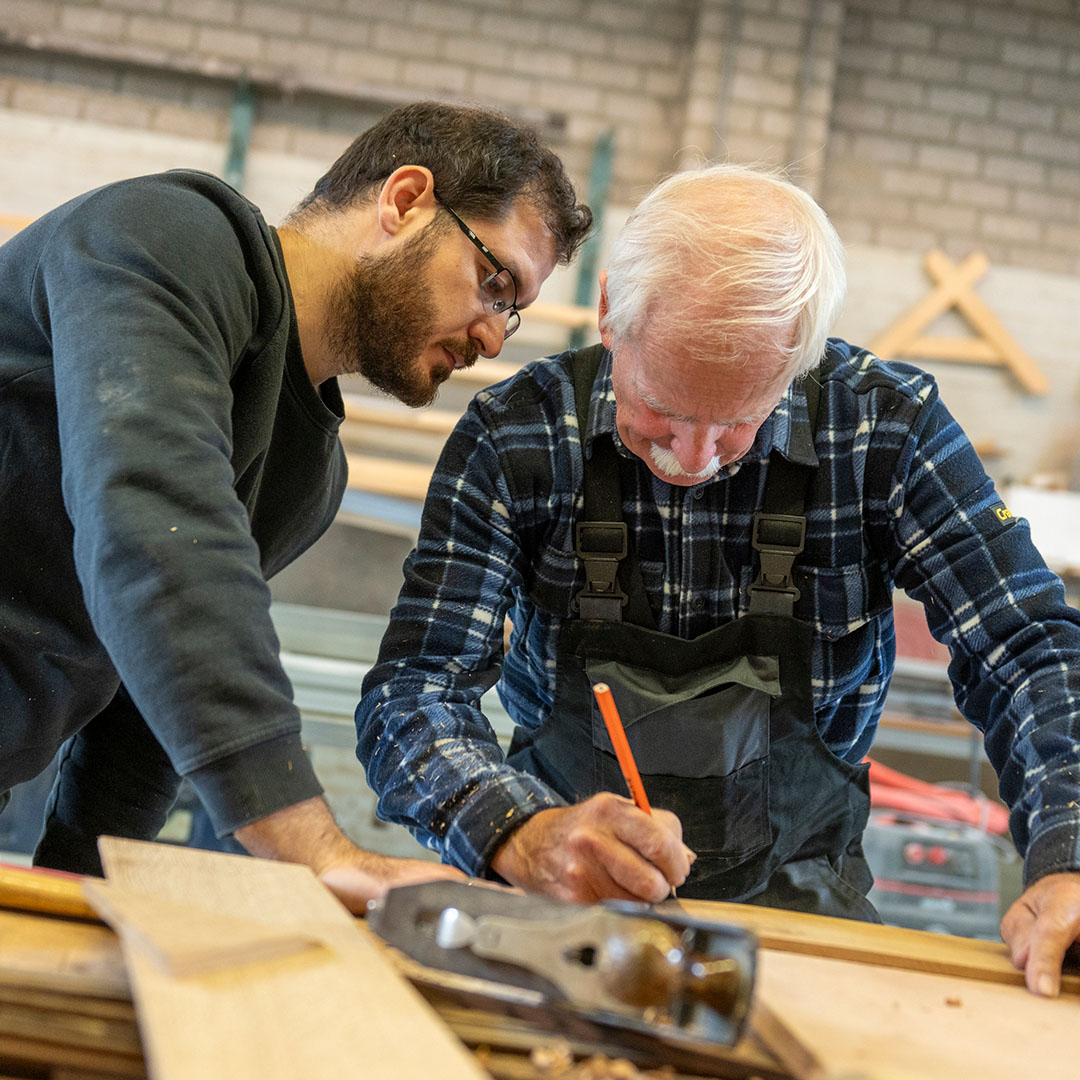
x=709 y=512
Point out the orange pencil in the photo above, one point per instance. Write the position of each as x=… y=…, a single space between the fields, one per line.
x=623 y=753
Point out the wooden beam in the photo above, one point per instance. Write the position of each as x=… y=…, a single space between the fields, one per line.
x=383 y=476
x=993 y=346
x=943 y=296
x=572 y=316
x=869 y=943
x=369 y=412
x=44 y=953
x=958 y=350
x=14 y=221
x=990 y=328
x=326 y=1014
x=47 y=892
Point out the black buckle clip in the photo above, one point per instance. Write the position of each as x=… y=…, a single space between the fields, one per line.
x=778 y=538
x=601 y=546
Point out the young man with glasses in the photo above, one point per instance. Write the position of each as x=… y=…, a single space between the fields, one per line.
x=709 y=512
x=168 y=440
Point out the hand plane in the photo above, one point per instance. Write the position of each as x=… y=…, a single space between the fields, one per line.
x=618 y=963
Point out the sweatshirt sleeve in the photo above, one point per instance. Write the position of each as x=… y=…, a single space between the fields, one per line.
x=147 y=294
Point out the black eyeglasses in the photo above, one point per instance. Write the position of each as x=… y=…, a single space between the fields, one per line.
x=498 y=291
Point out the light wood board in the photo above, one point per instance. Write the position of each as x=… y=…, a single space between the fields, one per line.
x=336 y=1012
x=881 y=1024
x=869 y=943
x=385 y=476
x=37 y=952
x=44 y=891
x=953 y=288
x=186 y=940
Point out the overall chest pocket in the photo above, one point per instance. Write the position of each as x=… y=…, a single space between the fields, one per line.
x=701 y=742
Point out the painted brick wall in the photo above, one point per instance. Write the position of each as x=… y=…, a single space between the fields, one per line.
x=761 y=84
x=917 y=122
x=957 y=123
x=585 y=64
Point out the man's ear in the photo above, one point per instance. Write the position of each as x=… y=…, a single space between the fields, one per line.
x=605 y=334
x=408 y=193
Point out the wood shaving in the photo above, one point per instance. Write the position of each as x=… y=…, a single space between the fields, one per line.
x=557 y=1062
x=554 y=1060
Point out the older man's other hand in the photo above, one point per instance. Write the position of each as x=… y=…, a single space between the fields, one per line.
x=1040 y=927
x=600 y=849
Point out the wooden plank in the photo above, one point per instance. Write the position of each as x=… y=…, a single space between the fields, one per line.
x=37 y=952
x=66 y=1002
x=968 y=350
x=69 y=1029
x=365 y=412
x=869 y=943
x=943 y=296
x=990 y=328
x=65 y=1072
x=25 y=1049
x=882 y=1024
x=485 y=373
x=325 y=1014
x=793 y=1054
x=186 y=940
x=572 y=316
x=46 y=891
x=382 y=476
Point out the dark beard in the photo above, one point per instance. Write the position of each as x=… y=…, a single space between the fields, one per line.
x=381 y=317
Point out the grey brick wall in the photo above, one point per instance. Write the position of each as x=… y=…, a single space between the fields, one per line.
x=958 y=124
x=917 y=122
x=583 y=65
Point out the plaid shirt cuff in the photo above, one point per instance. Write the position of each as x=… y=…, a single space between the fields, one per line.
x=1053 y=851
x=490 y=816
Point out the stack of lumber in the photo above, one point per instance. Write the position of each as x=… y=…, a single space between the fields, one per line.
x=243 y=968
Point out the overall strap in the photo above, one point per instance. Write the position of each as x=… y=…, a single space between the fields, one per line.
x=601 y=539
x=779 y=528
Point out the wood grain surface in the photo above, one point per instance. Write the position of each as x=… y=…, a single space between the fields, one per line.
x=883 y=1024
x=869 y=943
x=327 y=1014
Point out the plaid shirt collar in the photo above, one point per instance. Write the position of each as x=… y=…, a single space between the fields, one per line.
x=787 y=429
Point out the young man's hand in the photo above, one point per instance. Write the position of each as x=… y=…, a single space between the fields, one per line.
x=307 y=833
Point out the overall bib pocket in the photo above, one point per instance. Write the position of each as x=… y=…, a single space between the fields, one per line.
x=701 y=742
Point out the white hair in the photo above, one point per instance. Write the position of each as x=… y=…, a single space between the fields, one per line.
x=730 y=262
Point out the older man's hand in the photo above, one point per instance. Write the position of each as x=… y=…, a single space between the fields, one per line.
x=1040 y=927
x=602 y=848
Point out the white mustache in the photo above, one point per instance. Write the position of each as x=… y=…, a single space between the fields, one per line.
x=667 y=462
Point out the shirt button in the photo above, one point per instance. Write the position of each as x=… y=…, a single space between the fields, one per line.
x=697 y=603
x=698 y=492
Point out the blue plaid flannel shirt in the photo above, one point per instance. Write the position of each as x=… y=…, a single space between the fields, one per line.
x=899 y=499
